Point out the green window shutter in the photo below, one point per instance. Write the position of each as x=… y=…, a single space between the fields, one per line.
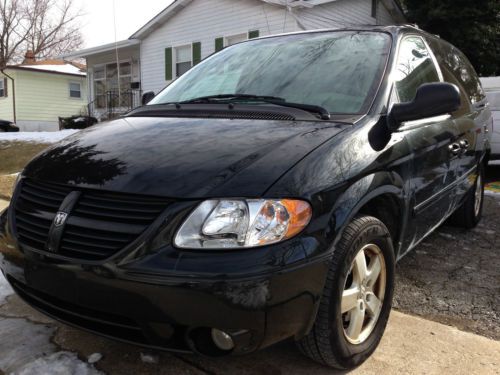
x=168 y=64
x=5 y=87
x=253 y=34
x=196 y=53
x=219 y=44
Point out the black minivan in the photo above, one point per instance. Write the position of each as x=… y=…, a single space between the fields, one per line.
x=264 y=195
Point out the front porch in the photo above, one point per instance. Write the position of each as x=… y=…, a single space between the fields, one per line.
x=114 y=78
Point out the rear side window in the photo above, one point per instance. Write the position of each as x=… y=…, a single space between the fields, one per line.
x=415 y=67
x=458 y=70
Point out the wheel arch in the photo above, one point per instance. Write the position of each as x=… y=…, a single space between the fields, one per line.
x=381 y=195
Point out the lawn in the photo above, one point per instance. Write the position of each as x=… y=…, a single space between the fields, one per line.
x=14 y=155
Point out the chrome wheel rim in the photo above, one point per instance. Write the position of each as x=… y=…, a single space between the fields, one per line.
x=478 y=195
x=363 y=294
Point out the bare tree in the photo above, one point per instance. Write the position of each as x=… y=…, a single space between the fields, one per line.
x=46 y=27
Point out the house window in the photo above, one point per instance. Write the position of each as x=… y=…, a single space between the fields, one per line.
x=2 y=88
x=233 y=39
x=107 y=89
x=183 y=60
x=374 y=8
x=75 y=90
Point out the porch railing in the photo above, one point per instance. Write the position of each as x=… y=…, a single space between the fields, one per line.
x=112 y=104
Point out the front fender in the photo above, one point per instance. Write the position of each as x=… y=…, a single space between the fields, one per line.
x=352 y=200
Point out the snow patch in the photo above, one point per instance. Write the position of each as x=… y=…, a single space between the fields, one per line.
x=94 y=358
x=5 y=288
x=149 y=358
x=22 y=343
x=67 y=68
x=446 y=235
x=60 y=363
x=38 y=137
x=26 y=349
x=491 y=193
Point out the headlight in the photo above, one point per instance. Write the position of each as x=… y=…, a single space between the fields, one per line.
x=240 y=223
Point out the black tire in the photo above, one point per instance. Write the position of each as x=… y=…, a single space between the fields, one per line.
x=327 y=343
x=467 y=216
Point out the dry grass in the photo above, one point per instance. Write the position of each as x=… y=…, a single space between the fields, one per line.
x=13 y=158
x=15 y=155
x=6 y=186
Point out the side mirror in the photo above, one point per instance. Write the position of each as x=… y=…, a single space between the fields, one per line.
x=147 y=97
x=432 y=99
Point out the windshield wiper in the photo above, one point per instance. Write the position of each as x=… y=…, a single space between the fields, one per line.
x=323 y=112
x=209 y=98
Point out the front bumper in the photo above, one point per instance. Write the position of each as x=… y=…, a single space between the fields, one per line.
x=132 y=304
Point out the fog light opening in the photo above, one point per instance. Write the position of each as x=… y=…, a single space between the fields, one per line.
x=222 y=340
x=210 y=342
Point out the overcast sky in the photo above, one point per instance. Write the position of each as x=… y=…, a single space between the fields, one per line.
x=97 y=22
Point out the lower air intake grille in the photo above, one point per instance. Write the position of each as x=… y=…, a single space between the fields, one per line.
x=100 y=225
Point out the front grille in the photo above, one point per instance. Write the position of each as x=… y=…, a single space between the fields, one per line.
x=100 y=225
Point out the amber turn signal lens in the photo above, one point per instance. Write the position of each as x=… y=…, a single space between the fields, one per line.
x=300 y=215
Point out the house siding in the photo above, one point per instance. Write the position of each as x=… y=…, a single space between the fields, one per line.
x=43 y=97
x=6 y=105
x=341 y=13
x=383 y=15
x=344 y=13
x=204 y=21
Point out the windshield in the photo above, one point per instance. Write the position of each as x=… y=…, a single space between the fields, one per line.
x=339 y=71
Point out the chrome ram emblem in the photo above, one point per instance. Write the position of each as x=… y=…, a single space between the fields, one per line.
x=60 y=219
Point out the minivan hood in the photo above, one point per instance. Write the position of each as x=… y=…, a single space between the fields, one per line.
x=181 y=158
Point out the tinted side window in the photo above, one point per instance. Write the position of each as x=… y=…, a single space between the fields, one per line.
x=414 y=68
x=454 y=62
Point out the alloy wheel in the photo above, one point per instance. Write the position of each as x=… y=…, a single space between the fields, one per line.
x=363 y=294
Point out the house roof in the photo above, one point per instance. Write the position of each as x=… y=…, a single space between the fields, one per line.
x=393 y=6
x=54 y=66
x=99 y=49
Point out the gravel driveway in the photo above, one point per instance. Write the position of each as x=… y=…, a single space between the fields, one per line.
x=453 y=277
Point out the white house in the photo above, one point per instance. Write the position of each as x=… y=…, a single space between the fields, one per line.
x=189 y=30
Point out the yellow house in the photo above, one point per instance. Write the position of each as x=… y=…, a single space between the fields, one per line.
x=35 y=94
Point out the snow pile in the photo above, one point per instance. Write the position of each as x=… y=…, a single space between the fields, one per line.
x=38 y=137
x=60 y=363
x=5 y=288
